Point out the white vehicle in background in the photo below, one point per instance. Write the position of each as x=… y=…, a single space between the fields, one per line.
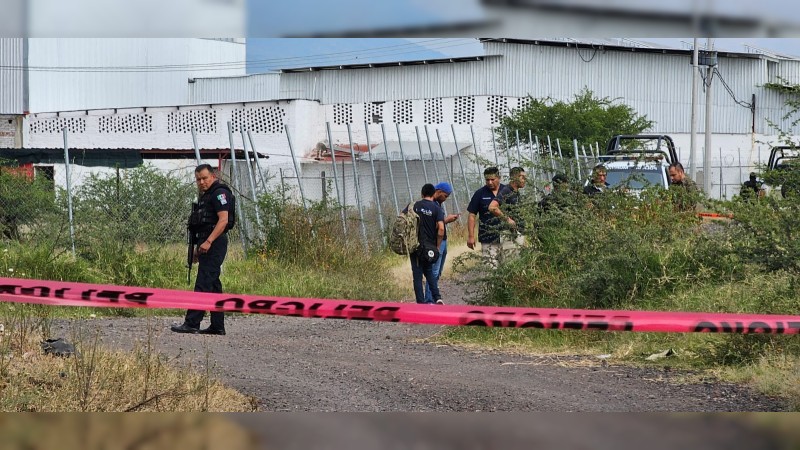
x=634 y=162
x=783 y=160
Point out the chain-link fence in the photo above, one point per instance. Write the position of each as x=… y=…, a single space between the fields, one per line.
x=362 y=187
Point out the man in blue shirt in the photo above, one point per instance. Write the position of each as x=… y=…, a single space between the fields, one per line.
x=478 y=208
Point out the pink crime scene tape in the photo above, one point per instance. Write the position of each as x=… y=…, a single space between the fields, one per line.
x=60 y=293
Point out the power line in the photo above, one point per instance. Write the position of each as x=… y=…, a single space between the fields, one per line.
x=730 y=92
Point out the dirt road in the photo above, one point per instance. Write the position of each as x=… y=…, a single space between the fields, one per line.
x=297 y=364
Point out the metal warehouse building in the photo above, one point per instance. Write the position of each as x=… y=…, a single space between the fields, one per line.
x=458 y=101
x=50 y=74
x=654 y=81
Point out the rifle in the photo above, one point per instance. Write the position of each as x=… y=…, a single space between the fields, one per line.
x=190 y=255
x=191 y=225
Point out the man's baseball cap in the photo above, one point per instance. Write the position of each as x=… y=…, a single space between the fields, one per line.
x=444 y=187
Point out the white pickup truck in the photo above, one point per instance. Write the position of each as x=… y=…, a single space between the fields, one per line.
x=634 y=162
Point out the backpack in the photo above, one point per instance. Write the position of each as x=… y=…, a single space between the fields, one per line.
x=404 y=238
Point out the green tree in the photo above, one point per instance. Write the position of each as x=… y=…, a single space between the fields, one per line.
x=587 y=118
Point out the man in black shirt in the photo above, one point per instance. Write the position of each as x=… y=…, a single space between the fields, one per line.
x=431 y=232
x=597 y=184
x=508 y=198
x=210 y=231
x=443 y=191
x=752 y=188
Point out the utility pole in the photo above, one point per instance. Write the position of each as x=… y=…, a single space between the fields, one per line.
x=693 y=138
x=707 y=150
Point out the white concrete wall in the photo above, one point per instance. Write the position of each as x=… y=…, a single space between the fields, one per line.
x=10 y=136
x=164 y=128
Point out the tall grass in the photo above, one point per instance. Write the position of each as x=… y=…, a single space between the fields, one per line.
x=620 y=252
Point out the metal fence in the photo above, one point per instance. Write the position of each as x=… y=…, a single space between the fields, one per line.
x=365 y=187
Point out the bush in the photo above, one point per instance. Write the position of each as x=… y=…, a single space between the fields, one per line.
x=311 y=238
x=26 y=204
x=141 y=205
x=607 y=251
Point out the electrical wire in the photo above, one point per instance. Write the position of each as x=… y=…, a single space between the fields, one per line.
x=730 y=92
x=298 y=61
x=578 y=49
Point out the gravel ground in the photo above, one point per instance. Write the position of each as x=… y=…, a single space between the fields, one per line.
x=319 y=365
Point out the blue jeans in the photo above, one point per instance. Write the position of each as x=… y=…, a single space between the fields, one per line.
x=418 y=269
x=438 y=268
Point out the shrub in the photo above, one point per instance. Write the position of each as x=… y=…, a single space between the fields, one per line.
x=141 y=205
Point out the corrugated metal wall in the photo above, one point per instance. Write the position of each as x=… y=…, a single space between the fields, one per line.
x=87 y=88
x=386 y=83
x=788 y=70
x=261 y=87
x=656 y=85
x=12 y=89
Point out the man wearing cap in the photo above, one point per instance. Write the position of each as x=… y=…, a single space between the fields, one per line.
x=443 y=191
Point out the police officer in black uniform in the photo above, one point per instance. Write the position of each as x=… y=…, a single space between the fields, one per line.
x=210 y=220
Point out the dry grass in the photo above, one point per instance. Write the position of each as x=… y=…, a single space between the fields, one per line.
x=96 y=380
x=401 y=270
x=123 y=432
x=773 y=375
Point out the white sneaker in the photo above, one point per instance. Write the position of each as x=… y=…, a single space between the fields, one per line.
x=439 y=302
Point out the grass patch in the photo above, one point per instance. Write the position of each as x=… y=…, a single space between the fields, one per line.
x=622 y=253
x=96 y=380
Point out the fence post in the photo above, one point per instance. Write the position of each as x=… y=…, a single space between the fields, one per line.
x=375 y=186
x=196 y=148
x=577 y=159
x=258 y=162
x=519 y=154
x=739 y=152
x=430 y=150
x=69 y=192
x=494 y=146
x=391 y=172
x=460 y=162
x=533 y=157
x=243 y=233
x=296 y=167
x=475 y=149
x=358 y=189
x=336 y=177
x=449 y=175
x=721 y=181
x=405 y=165
x=508 y=144
x=252 y=183
x=421 y=157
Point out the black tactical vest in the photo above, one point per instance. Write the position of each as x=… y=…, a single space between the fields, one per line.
x=203 y=217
